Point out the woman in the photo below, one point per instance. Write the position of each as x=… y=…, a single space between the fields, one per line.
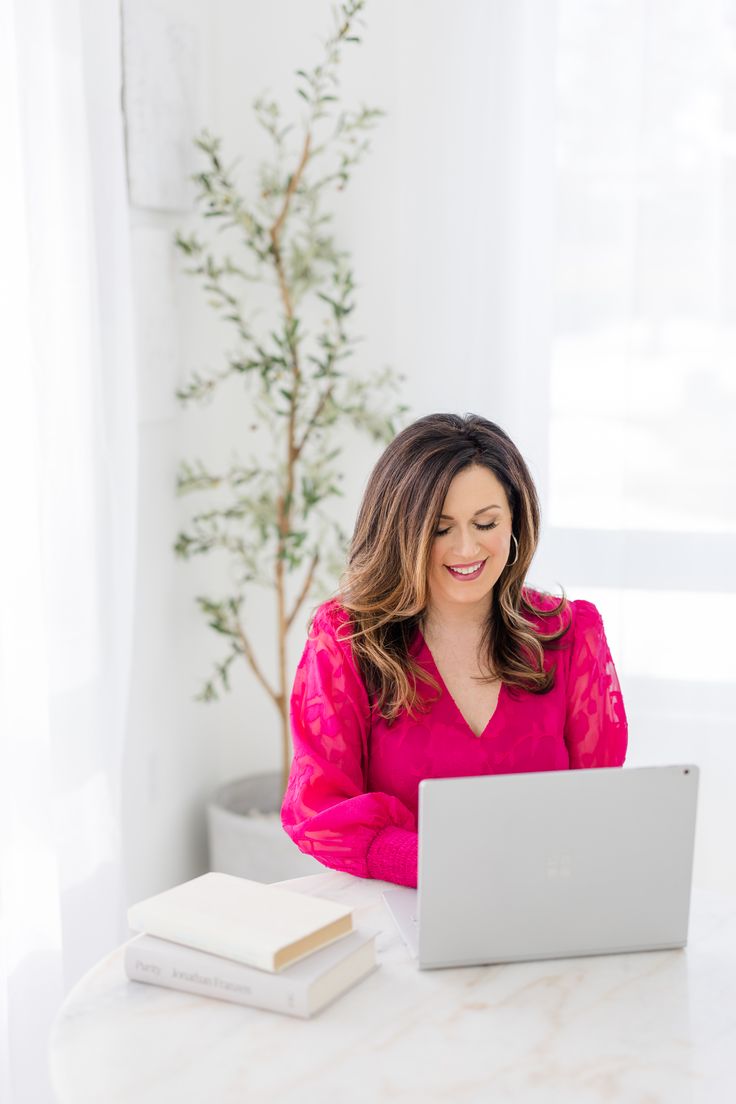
x=436 y=660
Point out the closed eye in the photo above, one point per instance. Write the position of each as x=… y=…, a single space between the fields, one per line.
x=442 y=532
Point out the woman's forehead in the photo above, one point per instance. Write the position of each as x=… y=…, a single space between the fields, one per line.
x=473 y=489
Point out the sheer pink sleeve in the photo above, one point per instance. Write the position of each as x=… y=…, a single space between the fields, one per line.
x=326 y=810
x=596 y=729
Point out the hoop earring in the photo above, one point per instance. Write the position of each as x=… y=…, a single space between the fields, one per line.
x=512 y=562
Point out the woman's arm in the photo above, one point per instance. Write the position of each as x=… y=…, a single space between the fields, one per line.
x=596 y=729
x=326 y=810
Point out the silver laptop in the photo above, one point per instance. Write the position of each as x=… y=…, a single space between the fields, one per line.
x=550 y=864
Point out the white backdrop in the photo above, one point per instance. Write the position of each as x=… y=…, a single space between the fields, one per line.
x=541 y=234
x=641 y=511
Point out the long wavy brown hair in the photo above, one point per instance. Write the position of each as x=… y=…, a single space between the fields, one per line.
x=384 y=586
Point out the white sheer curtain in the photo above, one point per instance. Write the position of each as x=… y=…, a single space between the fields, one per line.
x=67 y=489
x=642 y=481
x=566 y=266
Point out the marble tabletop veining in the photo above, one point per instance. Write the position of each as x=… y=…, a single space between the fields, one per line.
x=643 y=1028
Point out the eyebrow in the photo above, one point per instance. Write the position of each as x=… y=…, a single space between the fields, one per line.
x=448 y=517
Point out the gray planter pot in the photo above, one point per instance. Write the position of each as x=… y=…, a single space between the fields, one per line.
x=245 y=835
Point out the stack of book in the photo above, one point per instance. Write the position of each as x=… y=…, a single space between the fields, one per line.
x=248 y=942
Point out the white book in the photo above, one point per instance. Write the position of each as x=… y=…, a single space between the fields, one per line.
x=299 y=990
x=251 y=922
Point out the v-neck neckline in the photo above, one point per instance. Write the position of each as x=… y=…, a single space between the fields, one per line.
x=476 y=736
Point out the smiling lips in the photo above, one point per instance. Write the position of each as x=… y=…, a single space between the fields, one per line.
x=466 y=571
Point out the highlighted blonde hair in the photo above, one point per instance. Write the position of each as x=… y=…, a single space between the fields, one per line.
x=385 y=584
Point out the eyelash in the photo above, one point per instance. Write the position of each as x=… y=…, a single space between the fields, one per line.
x=442 y=532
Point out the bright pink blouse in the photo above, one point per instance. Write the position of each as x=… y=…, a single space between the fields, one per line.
x=352 y=795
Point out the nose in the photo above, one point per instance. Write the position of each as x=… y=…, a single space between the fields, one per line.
x=466 y=545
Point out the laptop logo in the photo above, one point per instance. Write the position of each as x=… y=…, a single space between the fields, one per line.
x=559 y=866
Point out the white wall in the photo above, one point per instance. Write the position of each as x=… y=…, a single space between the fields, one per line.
x=426 y=220
x=178 y=750
x=452 y=223
x=169 y=765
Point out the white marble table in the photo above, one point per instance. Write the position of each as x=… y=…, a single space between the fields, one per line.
x=644 y=1028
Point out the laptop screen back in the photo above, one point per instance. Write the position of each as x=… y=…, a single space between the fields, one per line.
x=555 y=863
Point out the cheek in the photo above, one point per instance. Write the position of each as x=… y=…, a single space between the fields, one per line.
x=496 y=545
x=502 y=538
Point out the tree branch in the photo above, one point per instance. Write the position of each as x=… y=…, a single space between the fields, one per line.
x=313 y=420
x=304 y=591
x=248 y=653
x=275 y=231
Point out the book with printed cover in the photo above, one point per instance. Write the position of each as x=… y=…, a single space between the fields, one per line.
x=301 y=989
